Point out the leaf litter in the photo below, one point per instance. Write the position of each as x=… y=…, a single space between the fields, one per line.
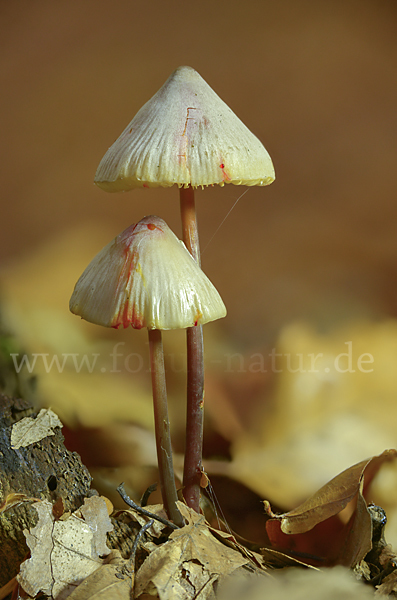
x=189 y=564
x=70 y=557
x=331 y=498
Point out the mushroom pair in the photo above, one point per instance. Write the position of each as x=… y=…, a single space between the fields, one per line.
x=185 y=135
x=146 y=278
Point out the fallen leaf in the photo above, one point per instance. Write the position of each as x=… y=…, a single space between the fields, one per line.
x=230 y=540
x=318 y=547
x=65 y=552
x=358 y=540
x=332 y=497
x=35 y=574
x=388 y=586
x=268 y=557
x=188 y=564
x=112 y=581
x=33 y=429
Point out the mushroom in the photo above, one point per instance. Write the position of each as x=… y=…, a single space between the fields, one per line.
x=186 y=135
x=146 y=278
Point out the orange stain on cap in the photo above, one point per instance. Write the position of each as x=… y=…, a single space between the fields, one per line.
x=197 y=317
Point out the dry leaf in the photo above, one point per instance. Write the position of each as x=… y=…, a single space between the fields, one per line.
x=318 y=547
x=35 y=574
x=112 y=581
x=268 y=557
x=33 y=429
x=188 y=563
x=106 y=583
x=332 y=497
x=389 y=585
x=358 y=541
x=65 y=552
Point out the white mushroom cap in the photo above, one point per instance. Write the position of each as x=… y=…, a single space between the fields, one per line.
x=146 y=278
x=185 y=135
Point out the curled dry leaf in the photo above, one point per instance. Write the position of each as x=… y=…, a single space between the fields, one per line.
x=65 y=552
x=332 y=497
x=30 y=430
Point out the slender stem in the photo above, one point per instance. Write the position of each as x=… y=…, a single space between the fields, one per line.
x=189 y=222
x=194 y=417
x=162 y=428
x=195 y=369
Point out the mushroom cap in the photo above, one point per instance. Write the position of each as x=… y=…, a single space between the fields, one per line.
x=146 y=277
x=185 y=135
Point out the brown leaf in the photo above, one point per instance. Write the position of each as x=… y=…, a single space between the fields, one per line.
x=104 y=584
x=112 y=581
x=332 y=497
x=389 y=585
x=268 y=557
x=318 y=547
x=230 y=540
x=188 y=563
x=358 y=541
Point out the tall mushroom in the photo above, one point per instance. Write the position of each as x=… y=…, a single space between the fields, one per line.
x=186 y=135
x=146 y=278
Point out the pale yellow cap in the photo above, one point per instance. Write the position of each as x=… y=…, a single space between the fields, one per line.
x=146 y=278
x=185 y=135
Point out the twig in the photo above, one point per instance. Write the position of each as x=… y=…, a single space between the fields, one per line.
x=138 y=538
x=145 y=496
x=141 y=510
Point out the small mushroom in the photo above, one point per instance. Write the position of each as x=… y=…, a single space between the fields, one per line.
x=186 y=135
x=146 y=278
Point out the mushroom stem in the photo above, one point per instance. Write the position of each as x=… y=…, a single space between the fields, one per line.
x=162 y=428
x=194 y=417
x=189 y=222
x=195 y=368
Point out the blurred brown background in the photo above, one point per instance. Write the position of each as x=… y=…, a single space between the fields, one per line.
x=316 y=81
